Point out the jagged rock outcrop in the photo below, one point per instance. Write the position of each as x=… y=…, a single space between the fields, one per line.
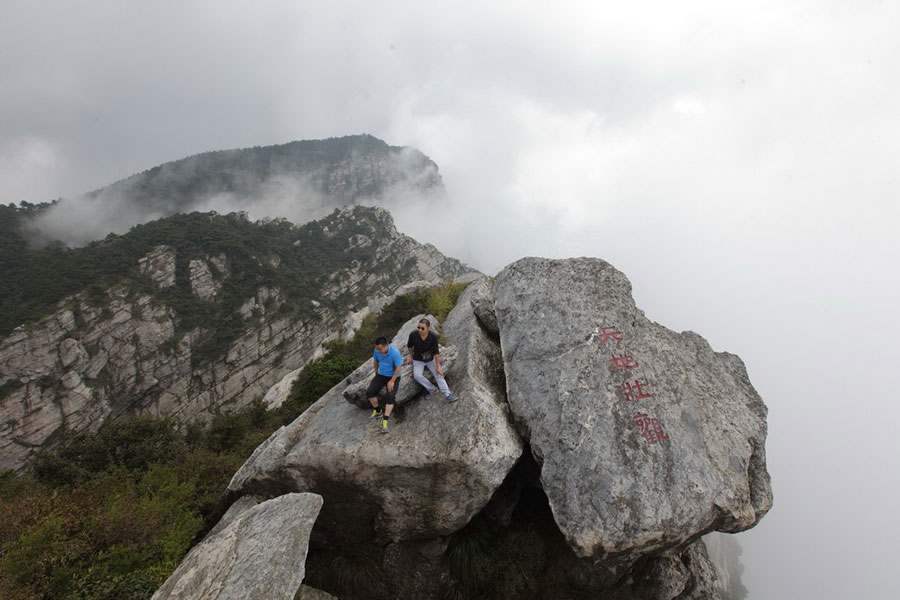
x=67 y=369
x=159 y=265
x=631 y=497
x=203 y=284
x=646 y=437
x=259 y=553
x=407 y=485
x=92 y=360
x=256 y=306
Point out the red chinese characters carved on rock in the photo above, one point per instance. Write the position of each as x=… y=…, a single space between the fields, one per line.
x=622 y=361
x=636 y=391
x=650 y=428
x=607 y=333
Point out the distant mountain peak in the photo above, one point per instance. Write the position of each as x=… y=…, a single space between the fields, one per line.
x=299 y=180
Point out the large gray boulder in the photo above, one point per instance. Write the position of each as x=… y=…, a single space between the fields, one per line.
x=358 y=381
x=434 y=471
x=646 y=437
x=260 y=552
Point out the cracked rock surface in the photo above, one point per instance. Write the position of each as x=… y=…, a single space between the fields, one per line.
x=646 y=437
x=434 y=471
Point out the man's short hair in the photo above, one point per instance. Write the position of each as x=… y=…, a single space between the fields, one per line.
x=381 y=341
x=426 y=321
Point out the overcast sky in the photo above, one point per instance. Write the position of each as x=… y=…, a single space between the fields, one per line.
x=738 y=161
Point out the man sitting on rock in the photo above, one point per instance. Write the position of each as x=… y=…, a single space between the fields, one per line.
x=387 y=363
x=424 y=352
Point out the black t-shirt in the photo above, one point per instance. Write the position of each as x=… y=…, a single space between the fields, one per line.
x=426 y=349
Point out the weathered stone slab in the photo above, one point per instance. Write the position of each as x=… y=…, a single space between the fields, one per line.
x=434 y=471
x=646 y=437
x=260 y=553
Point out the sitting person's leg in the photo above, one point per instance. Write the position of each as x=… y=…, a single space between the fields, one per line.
x=375 y=386
x=419 y=375
x=439 y=379
x=389 y=397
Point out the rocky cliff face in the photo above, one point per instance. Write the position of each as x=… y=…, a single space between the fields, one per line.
x=593 y=446
x=135 y=350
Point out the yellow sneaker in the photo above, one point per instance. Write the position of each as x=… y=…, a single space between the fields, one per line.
x=384 y=426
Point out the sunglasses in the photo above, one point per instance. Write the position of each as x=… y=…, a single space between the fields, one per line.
x=421 y=328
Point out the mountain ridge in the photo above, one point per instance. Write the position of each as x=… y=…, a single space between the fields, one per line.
x=326 y=150
x=299 y=180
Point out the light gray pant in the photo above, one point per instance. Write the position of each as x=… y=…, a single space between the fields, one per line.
x=419 y=375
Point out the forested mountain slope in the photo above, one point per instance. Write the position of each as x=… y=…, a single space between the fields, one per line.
x=189 y=316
